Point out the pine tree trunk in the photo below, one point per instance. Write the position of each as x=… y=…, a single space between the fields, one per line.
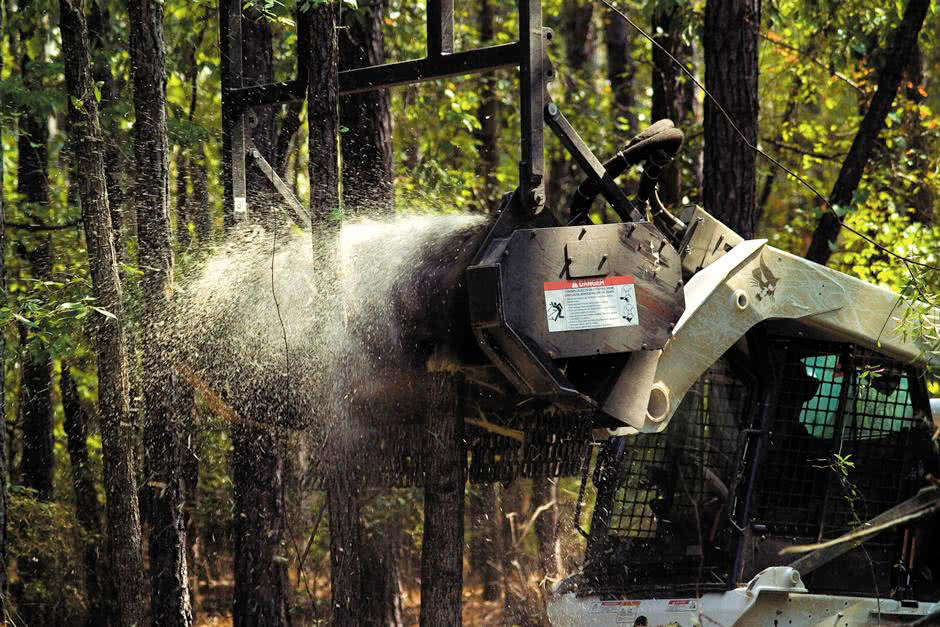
x=621 y=69
x=367 y=144
x=260 y=574
x=445 y=461
x=200 y=198
x=667 y=94
x=86 y=496
x=163 y=424
x=323 y=112
x=3 y=363
x=261 y=583
x=33 y=184
x=898 y=57
x=85 y=137
x=730 y=45
x=577 y=32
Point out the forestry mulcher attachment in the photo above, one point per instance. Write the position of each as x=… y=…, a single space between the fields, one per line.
x=749 y=401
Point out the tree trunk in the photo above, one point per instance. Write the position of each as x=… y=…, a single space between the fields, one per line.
x=486 y=544
x=200 y=198
x=621 y=70
x=86 y=496
x=488 y=117
x=730 y=44
x=3 y=370
x=544 y=491
x=904 y=43
x=667 y=92
x=323 y=112
x=260 y=574
x=33 y=184
x=163 y=424
x=126 y=565
x=577 y=32
x=445 y=461
x=261 y=583
x=258 y=69
x=99 y=23
x=367 y=144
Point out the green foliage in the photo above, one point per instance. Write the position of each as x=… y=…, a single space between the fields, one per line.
x=44 y=549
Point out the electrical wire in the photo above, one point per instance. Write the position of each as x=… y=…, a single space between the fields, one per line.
x=907 y=260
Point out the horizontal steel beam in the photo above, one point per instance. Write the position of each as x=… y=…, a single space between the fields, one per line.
x=272 y=93
x=392 y=74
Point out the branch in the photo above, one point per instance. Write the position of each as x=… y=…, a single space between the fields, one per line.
x=802 y=151
x=781 y=44
x=35 y=228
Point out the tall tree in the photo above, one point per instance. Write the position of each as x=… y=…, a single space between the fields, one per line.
x=3 y=377
x=667 y=91
x=445 y=475
x=163 y=426
x=261 y=585
x=86 y=496
x=367 y=142
x=33 y=184
x=896 y=60
x=621 y=68
x=85 y=137
x=730 y=46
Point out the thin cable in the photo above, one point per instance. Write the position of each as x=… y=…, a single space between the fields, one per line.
x=277 y=306
x=770 y=158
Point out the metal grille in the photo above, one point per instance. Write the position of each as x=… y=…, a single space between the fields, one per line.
x=550 y=446
x=840 y=444
x=670 y=510
x=391 y=455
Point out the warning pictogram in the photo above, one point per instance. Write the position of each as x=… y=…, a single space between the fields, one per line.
x=591 y=304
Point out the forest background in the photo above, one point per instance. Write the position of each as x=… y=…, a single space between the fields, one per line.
x=449 y=146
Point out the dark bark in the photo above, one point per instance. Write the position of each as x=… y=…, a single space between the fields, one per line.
x=36 y=464
x=182 y=200
x=667 y=91
x=344 y=502
x=100 y=35
x=290 y=124
x=367 y=144
x=576 y=21
x=3 y=413
x=258 y=69
x=169 y=593
x=730 y=46
x=488 y=117
x=85 y=137
x=486 y=543
x=898 y=57
x=261 y=584
x=621 y=68
x=323 y=112
x=445 y=461
x=191 y=490
x=86 y=496
x=33 y=183
x=200 y=197
x=381 y=579
x=260 y=569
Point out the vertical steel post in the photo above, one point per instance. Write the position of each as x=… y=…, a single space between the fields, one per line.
x=532 y=97
x=440 y=28
x=235 y=206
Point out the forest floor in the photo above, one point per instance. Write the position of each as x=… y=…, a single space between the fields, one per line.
x=216 y=607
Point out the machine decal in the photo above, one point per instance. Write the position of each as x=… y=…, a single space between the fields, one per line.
x=599 y=303
x=764 y=281
x=681 y=605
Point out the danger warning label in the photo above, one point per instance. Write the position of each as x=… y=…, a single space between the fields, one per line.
x=591 y=304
